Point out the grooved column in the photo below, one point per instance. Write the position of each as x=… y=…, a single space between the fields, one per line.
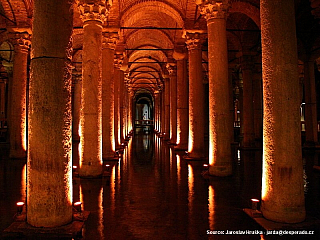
x=247 y=106
x=108 y=47
x=77 y=85
x=182 y=100
x=282 y=175
x=220 y=122
x=172 y=69
x=93 y=14
x=18 y=124
x=310 y=105
x=196 y=97
x=49 y=176
x=167 y=108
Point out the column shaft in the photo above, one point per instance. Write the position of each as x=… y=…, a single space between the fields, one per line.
x=282 y=176
x=76 y=107
x=167 y=109
x=50 y=136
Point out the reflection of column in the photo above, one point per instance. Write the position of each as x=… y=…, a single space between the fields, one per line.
x=167 y=108
x=93 y=15
x=282 y=177
x=49 y=120
x=310 y=105
x=247 y=107
x=108 y=47
x=220 y=125
x=182 y=99
x=196 y=97
x=18 y=102
x=77 y=80
x=172 y=69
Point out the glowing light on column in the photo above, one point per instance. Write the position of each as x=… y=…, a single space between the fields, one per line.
x=211 y=207
x=23 y=183
x=24 y=131
x=81 y=196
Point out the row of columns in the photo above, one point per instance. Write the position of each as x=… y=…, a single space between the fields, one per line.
x=49 y=145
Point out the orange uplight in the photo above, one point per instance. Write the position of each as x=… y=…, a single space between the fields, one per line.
x=77 y=206
x=20 y=207
x=20 y=203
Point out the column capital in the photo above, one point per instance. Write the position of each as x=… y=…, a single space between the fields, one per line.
x=21 y=41
x=180 y=52
x=172 y=68
x=213 y=9
x=194 y=39
x=94 y=10
x=118 y=60
x=110 y=39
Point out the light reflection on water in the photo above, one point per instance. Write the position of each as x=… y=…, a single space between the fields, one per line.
x=154 y=193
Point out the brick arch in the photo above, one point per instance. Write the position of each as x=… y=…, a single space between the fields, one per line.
x=18 y=12
x=247 y=9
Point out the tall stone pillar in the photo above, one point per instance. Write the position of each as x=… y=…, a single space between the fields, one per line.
x=118 y=60
x=196 y=96
x=258 y=111
x=49 y=199
x=220 y=122
x=77 y=86
x=182 y=99
x=310 y=105
x=18 y=121
x=282 y=175
x=93 y=15
x=110 y=39
x=247 y=124
x=172 y=69
x=167 y=108
x=122 y=107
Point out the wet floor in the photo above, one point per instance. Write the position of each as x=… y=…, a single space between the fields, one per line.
x=153 y=193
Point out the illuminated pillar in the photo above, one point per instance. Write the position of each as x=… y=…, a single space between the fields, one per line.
x=118 y=60
x=282 y=175
x=49 y=127
x=93 y=15
x=258 y=112
x=108 y=47
x=18 y=108
x=220 y=123
x=247 y=106
x=196 y=97
x=77 y=81
x=310 y=105
x=156 y=110
x=172 y=69
x=121 y=107
x=182 y=99
x=167 y=108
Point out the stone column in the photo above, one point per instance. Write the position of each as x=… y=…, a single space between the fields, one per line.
x=118 y=60
x=156 y=110
x=258 y=111
x=247 y=107
x=172 y=69
x=108 y=141
x=18 y=121
x=93 y=15
x=167 y=109
x=282 y=175
x=220 y=122
x=122 y=107
x=310 y=105
x=182 y=99
x=49 y=199
x=77 y=81
x=196 y=96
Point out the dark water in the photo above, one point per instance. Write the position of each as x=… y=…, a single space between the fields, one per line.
x=153 y=193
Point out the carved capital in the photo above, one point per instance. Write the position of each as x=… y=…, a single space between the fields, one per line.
x=110 y=40
x=118 y=60
x=21 y=41
x=214 y=9
x=193 y=40
x=172 y=69
x=94 y=10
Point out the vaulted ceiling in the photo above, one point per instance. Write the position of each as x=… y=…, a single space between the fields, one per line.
x=151 y=29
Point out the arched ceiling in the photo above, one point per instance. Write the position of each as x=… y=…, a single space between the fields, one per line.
x=150 y=30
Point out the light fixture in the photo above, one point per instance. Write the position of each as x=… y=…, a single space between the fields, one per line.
x=254 y=204
x=77 y=206
x=20 y=207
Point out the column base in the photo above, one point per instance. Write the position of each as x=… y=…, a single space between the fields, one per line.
x=18 y=154
x=181 y=147
x=90 y=172
x=194 y=156
x=220 y=171
x=287 y=215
